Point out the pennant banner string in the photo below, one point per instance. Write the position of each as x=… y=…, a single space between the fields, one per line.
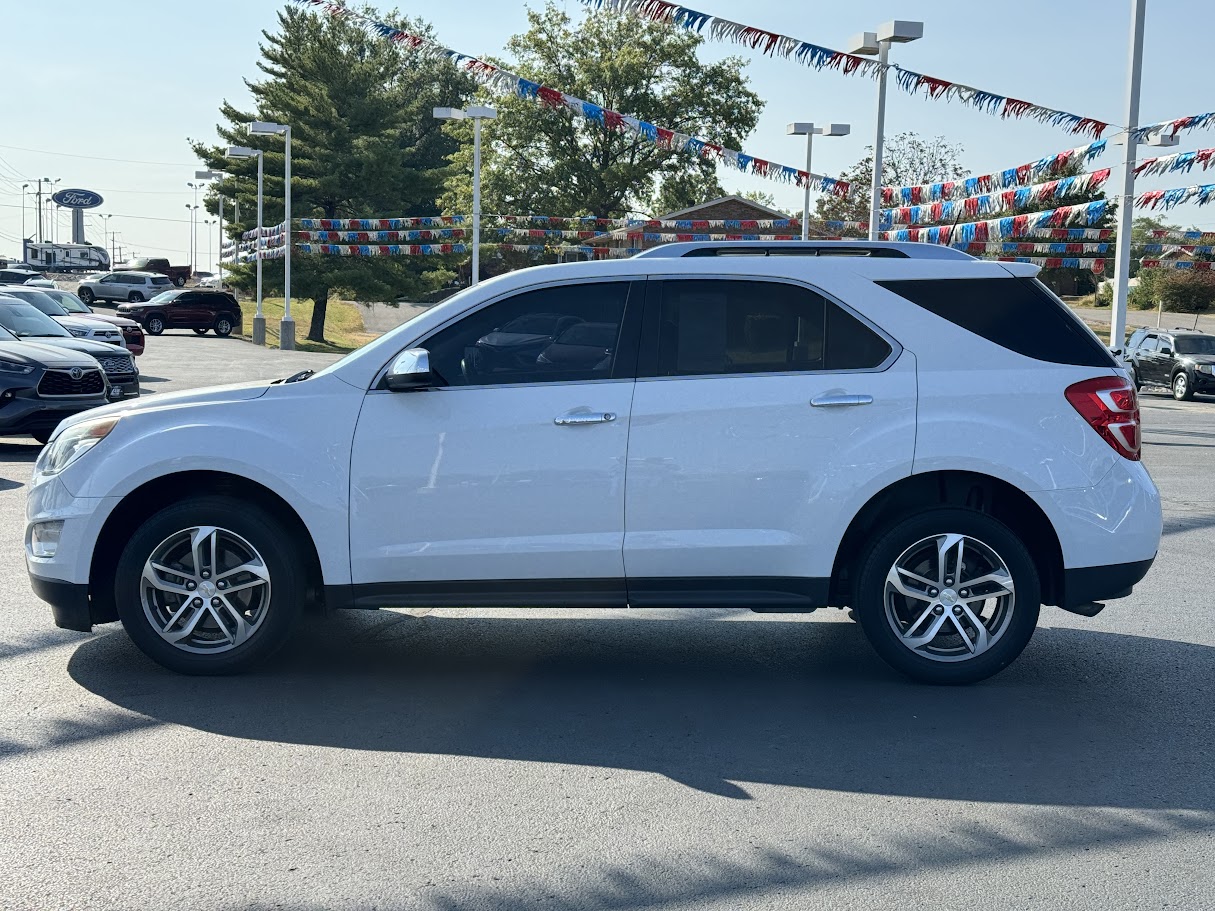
x=1173 y=127
x=501 y=80
x=1200 y=194
x=1176 y=264
x=1179 y=161
x=819 y=58
x=992 y=203
x=1021 y=175
x=1000 y=228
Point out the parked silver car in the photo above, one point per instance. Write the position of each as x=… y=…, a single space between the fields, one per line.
x=123 y=286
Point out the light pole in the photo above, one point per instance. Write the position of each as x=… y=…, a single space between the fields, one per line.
x=809 y=130
x=896 y=31
x=105 y=229
x=193 y=209
x=194 y=227
x=207 y=223
x=24 y=239
x=476 y=113
x=286 y=326
x=259 y=319
x=216 y=175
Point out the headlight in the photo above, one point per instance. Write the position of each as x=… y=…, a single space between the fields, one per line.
x=71 y=444
x=13 y=367
x=79 y=333
x=1206 y=368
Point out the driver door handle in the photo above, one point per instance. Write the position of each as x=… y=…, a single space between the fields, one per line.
x=836 y=401
x=572 y=418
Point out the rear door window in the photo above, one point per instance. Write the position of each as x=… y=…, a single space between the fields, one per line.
x=722 y=326
x=1019 y=314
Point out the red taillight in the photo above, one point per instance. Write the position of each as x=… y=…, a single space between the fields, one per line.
x=1111 y=408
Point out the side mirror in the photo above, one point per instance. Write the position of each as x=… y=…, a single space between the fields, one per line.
x=1167 y=351
x=410 y=371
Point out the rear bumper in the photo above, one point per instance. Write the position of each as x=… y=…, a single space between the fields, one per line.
x=1087 y=584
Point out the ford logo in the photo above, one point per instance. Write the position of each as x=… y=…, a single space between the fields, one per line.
x=76 y=373
x=77 y=199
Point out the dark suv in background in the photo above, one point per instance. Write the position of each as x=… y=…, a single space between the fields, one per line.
x=1181 y=359
x=188 y=308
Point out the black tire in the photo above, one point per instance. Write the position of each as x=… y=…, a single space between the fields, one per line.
x=283 y=562
x=155 y=325
x=869 y=599
x=1183 y=389
x=201 y=331
x=180 y=281
x=1135 y=378
x=42 y=436
x=86 y=296
x=135 y=298
x=223 y=325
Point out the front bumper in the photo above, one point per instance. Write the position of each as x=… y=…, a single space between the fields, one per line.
x=26 y=412
x=69 y=602
x=1203 y=382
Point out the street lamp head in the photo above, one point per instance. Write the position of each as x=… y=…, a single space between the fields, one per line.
x=242 y=152
x=900 y=31
x=266 y=127
x=863 y=43
x=448 y=114
x=482 y=111
x=835 y=129
x=208 y=175
x=799 y=129
x=476 y=112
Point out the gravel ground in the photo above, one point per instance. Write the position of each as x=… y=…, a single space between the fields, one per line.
x=610 y=760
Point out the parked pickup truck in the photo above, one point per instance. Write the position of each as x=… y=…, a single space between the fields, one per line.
x=179 y=274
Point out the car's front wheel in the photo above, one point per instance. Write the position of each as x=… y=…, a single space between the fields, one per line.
x=179 y=282
x=86 y=295
x=1135 y=378
x=155 y=325
x=210 y=585
x=948 y=596
x=135 y=298
x=1182 y=390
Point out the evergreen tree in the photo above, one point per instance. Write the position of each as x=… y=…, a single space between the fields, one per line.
x=364 y=144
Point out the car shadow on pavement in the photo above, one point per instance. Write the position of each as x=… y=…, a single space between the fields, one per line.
x=1084 y=718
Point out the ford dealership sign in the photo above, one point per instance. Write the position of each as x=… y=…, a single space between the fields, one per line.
x=77 y=199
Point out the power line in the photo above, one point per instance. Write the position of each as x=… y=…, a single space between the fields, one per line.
x=167 y=164
x=180 y=221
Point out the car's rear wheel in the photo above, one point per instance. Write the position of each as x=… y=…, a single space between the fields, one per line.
x=210 y=585
x=85 y=295
x=223 y=326
x=948 y=596
x=1182 y=390
x=180 y=281
x=156 y=325
x=201 y=331
x=135 y=298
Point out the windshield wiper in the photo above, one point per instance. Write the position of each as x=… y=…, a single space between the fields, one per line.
x=296 y=377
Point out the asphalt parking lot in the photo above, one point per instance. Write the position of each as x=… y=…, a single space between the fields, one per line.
x=608 y=760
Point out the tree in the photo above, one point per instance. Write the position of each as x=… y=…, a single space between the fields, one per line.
x=364 y=144
x=907 y=160
x=543 y=161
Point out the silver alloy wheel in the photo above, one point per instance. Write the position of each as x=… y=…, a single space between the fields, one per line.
x=1180 y=386
x=949 y=597
x=205 y=590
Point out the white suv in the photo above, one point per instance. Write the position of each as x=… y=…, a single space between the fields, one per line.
x=132 y=287
x=934 y=441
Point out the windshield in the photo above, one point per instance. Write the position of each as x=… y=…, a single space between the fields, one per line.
x=25 y=321
x=68 y=301
x=39 y=299
x=165 y=296
x=1196 y=344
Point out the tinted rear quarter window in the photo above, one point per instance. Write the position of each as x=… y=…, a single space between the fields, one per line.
x=1019 y=314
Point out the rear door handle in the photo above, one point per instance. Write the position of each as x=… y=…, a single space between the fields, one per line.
x=584 y=417
x=836 y=401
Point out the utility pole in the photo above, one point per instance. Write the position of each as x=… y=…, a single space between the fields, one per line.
x=39 y=208
x=1126 y=199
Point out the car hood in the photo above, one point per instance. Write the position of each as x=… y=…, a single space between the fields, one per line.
x=87 y=323
x=120 y=321
x=1199 y=358
x=44 y=355
x=94 y=349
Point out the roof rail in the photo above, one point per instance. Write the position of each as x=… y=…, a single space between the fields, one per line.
x=868 y=248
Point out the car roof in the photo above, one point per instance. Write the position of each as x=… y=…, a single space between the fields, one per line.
x=815 y=248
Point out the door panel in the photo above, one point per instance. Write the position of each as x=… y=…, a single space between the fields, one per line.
x=741 y=486
x=481 y=483
x=742 y=476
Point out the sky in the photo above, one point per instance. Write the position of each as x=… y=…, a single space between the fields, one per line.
x=110 y=106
